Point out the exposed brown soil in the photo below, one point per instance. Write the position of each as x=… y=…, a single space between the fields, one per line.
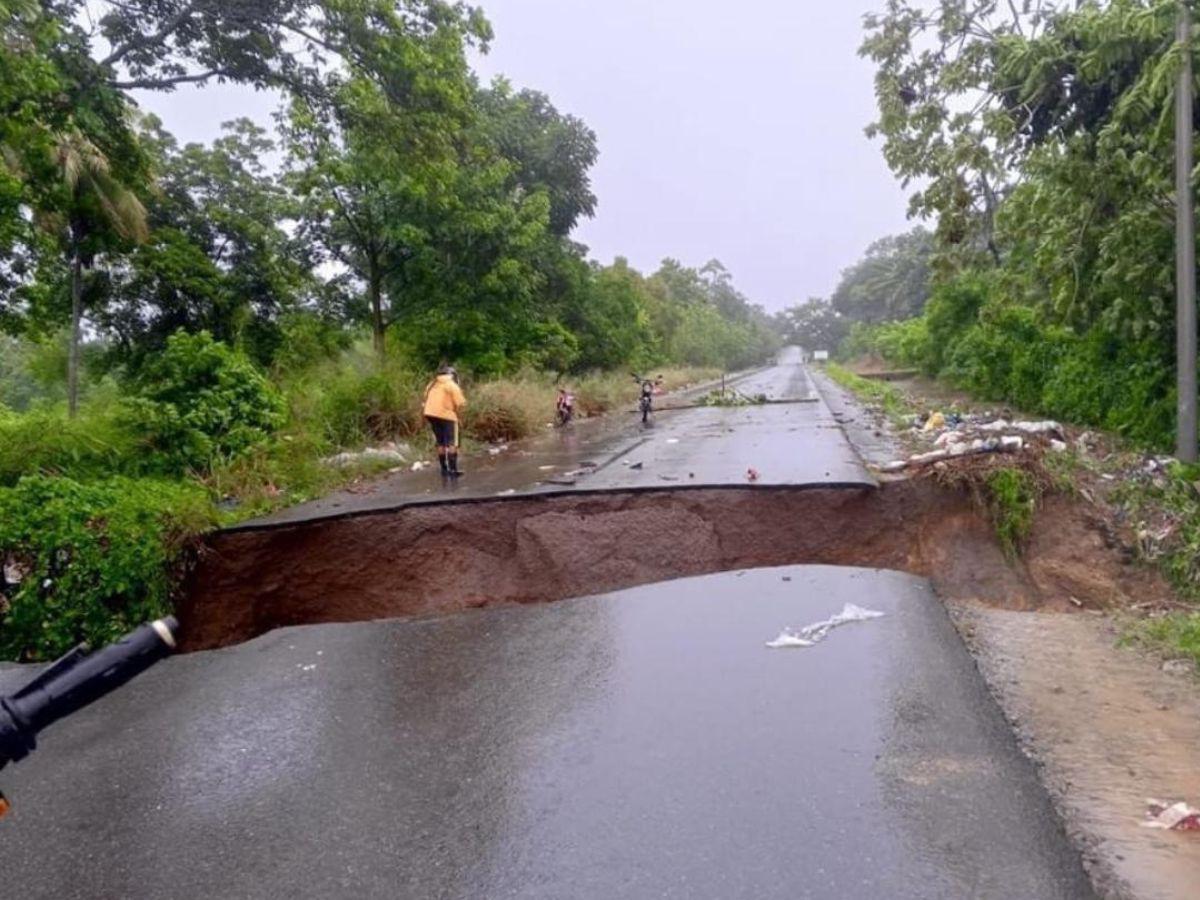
x=426 y=560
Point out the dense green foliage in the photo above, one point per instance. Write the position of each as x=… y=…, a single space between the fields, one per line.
x=227 y=315
x=891 y=282
x=1053 y=261
x=94 y=560
x=199 y=404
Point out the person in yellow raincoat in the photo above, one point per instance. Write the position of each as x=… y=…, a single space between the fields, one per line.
x=444 y=401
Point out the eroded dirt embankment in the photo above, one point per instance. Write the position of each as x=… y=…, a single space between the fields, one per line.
x=435 y=559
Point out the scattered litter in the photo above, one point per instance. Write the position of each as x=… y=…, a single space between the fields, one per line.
x=1045 y=427
x=506 y=493
x=496 y=451
x=1180 y=667
x=936 y=422
x=815 y=633
x=1171 y=816
x=392 y=453
x=635 y=465
x=672 y=440
x=421 y=464
x=1058 y=446
x=545 y=468
x=14 y=572
x=752 y=474
x=306 y=668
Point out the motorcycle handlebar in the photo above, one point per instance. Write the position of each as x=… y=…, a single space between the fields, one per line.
x=76 y=680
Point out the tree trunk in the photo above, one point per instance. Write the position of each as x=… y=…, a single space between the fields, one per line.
x=76 y=328
x=378 y=327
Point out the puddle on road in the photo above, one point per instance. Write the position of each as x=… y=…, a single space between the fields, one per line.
x=1100 y=722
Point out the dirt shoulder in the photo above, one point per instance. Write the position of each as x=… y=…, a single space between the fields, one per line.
x=1108 y=724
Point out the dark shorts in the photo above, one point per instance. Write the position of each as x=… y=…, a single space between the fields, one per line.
x=445 y=431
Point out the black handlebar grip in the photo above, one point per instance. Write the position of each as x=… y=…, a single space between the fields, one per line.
x=75 y=681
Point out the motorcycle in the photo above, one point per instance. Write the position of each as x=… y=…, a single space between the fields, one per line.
x=565 y=408
x=646 y=400
x=77 y=679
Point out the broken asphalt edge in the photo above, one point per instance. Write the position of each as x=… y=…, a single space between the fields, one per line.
x=866 y=484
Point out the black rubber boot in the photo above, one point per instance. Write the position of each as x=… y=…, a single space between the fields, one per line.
x=453 y=459
x=443 y=464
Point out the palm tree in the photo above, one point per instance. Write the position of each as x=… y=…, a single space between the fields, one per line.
x=97 y=200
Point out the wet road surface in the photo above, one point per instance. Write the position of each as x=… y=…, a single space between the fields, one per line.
x=642 y=744
x=793 y=439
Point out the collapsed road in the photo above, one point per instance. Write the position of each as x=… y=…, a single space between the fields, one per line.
x=643 y=742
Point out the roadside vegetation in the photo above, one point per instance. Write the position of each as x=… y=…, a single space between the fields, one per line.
x=1040 y=139
x=188 y=331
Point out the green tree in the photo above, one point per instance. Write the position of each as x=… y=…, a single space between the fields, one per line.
x=97 y=210
x=814 y=325
x=218 y=258
x=890 y=282
x=550 y=151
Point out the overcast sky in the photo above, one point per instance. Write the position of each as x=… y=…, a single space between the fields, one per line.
x=727 y=130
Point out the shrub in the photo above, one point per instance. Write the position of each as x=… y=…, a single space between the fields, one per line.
x=95 y=444
x=355 y=400
x=199 y=403
x=96 y=559
x=508 y=409
x=905 y=343
x=952 y=309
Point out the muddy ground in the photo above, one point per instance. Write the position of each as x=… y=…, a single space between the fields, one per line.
x=427 y=560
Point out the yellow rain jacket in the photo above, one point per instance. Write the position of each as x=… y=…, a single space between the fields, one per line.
x=444 y=398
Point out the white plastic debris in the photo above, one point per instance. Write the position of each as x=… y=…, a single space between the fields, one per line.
x=14 y=572
x=496 y=451
x=1058 y=446
x=933 y=456
x=507 y=493
x=815 y=633
x=1012 y=443
x=370 y=454
x=1171 y=816
x=421 y=464
x=1044 y=427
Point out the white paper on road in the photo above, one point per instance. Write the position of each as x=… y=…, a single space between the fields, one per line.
x=815 y=633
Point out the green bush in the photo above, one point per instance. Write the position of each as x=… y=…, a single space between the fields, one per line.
x=95 y=559
x=952 y=309
x=96 y=444
x=199 y=404
x=1012 y=497
x=905 y=343
x=356 y=400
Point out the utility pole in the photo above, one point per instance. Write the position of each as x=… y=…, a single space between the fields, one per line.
x=1185 y=248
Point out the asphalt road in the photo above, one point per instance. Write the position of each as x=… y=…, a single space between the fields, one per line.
x=793 y=439
x=642 y=744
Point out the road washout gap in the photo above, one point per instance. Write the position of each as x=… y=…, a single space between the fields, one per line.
x=425 y=560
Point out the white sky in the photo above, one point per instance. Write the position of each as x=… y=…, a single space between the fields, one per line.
x=727 y=130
